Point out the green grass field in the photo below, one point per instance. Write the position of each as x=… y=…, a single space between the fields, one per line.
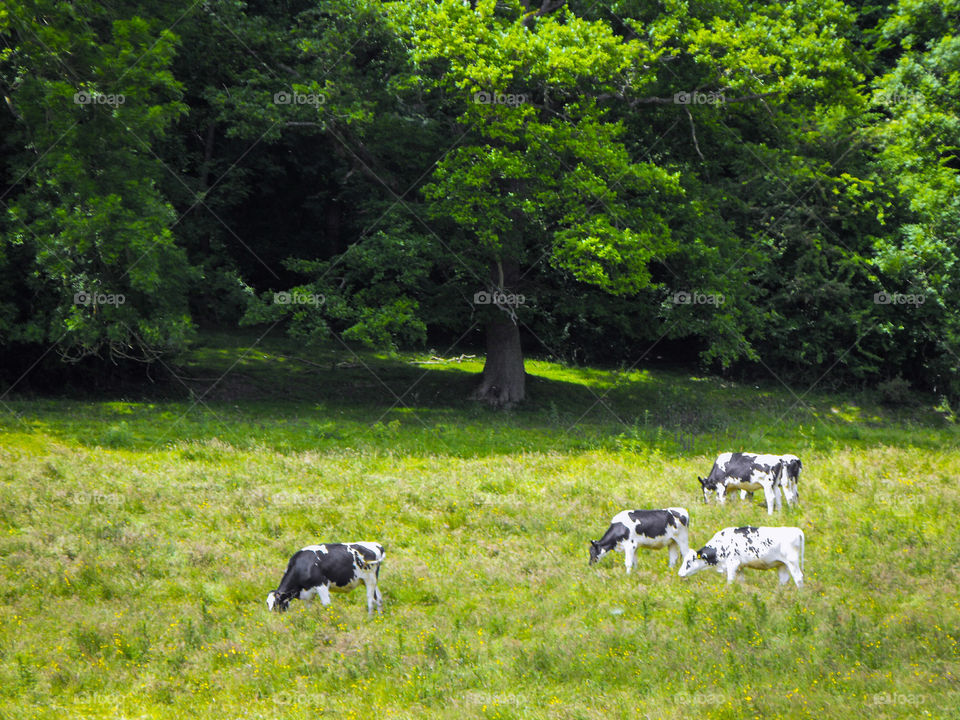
x=139 y=538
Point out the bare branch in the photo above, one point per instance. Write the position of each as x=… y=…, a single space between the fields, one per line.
x=693 y=133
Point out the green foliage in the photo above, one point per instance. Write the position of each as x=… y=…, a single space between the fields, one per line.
x=91 y=96
x=796 y=160
x=896 y=391
x=531 y=171
x=919 y=136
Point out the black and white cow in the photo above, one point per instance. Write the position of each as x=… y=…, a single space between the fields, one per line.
x=336 y=567
x=654 y=529
x=745 y=472
x=753 y=547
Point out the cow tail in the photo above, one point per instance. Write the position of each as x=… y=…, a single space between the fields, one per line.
x=803 y=545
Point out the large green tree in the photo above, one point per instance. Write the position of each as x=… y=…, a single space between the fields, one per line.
x=88 y=261
x=541 y=173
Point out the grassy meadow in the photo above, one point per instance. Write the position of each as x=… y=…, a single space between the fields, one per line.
x=140 y=536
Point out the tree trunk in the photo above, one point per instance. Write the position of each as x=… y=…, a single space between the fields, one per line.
x=504 y=379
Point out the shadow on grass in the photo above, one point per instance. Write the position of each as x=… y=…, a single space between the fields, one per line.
x=287 y=398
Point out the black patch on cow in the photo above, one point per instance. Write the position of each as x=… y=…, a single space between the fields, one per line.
x=709 y=554
x=614 y=534
x=652 y=523
x=746 y=530
x=368 y=554
x=682 y=518
x=301 y=573
x=336 y=564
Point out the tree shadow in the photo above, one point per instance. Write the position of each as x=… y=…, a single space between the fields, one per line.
x=277 y=394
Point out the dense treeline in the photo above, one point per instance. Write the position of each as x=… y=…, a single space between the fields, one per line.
x=765 y=187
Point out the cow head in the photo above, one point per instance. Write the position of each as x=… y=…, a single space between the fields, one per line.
x=696 y=560
x=706 y=490
x=596 y=552
x=791 y=473
x=278 y=601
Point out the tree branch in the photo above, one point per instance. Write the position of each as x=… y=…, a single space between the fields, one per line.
x=546 y=7
x=693 y=133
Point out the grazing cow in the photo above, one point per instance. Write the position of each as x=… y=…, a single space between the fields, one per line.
x=337 y=567
x=790 y=477
x=655 y=529
x=753 y=547
x=746 y=472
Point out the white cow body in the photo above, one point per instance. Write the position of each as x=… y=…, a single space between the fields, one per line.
x=754 y=547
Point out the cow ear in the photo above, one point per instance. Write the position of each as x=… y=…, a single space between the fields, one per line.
x=594 y=543
x=700 y=479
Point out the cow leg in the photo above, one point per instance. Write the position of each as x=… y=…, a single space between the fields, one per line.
x=796 y=573
x=746 y=495
x=324 y=592
x=674 y=552
x=371 y=586
x=770 y=493
x=784 y=574
x=732 y=572
x=721 y=494
x=629 y=555
x=794 y=496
